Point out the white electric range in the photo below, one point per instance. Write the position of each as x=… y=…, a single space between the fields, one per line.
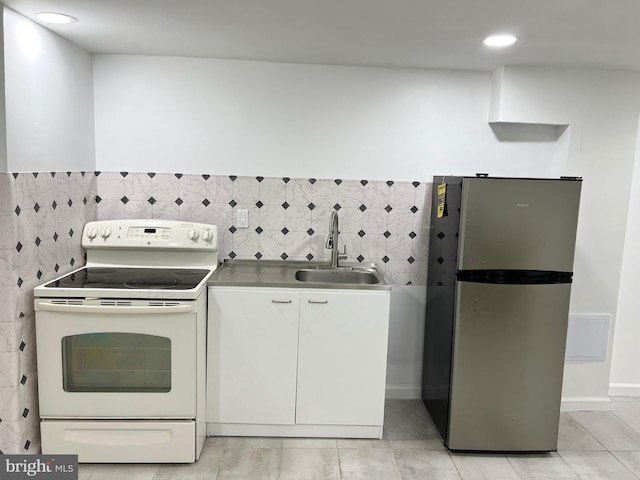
x=121 y=344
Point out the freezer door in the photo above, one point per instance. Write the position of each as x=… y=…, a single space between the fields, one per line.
x=522 y=224
x=508 y=361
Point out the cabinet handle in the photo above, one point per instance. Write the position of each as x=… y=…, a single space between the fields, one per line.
x=280 y=301
x=323 y=302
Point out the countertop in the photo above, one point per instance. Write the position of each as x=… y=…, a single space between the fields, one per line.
x=282 y=274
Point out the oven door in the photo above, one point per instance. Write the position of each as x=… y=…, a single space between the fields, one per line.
x=116 y=358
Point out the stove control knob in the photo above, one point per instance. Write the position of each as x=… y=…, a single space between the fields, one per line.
x=207 y=236
x=193 y=235
x=91 y=233
x=106 y=233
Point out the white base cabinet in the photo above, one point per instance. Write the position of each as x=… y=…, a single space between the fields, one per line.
x=252 y=352
x=342 y=358
x=289 y=362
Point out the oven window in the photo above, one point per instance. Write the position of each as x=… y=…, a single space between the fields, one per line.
x=116 y=362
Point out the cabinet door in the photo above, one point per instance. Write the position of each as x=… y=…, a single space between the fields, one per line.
x=252 y=356
x=342 y=358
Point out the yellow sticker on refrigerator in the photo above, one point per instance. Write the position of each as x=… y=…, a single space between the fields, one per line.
x=442 y=193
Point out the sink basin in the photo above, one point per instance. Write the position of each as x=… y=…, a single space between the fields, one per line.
x=350 y=276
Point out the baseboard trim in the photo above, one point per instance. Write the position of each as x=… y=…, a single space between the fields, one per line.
x=403 y=392
x=575 y=404
x=624 y=389
x=311 y=431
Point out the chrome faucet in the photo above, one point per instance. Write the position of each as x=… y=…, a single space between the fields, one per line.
x=332 y=241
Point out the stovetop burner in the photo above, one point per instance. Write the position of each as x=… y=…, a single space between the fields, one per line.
x=159 y=281
x=132 y=278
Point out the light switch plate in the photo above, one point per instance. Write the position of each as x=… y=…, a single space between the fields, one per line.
x=242 y=218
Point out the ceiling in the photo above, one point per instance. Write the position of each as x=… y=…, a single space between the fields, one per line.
x=381 y=33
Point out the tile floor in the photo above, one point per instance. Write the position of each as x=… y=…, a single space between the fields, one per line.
x=591 y=446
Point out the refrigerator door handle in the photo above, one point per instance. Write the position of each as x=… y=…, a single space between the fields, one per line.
x=514 y=277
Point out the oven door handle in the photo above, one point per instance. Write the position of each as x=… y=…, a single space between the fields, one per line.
x=160 y=309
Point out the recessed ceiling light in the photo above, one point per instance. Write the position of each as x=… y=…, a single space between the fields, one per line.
x=51 y=17
x=502 y=40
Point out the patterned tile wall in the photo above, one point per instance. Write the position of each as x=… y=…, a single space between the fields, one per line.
x=381 y=222
x=42 y=215
x=41 y=219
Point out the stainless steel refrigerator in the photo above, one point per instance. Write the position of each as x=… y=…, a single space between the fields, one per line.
x=500 y=270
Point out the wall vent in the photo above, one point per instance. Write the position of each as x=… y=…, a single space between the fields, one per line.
x=587 y=337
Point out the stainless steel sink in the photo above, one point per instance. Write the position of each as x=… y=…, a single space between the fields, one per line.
x=353 y=276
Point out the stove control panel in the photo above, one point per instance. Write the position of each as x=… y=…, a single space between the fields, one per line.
x=150 y=234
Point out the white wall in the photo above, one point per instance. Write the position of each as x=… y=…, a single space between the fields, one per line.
x=625 y=371
x=49 y=100
x=602 y=110
x=406 y=339
x=251 y=118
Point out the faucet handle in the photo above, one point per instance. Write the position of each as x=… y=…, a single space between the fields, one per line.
x=343 y=255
